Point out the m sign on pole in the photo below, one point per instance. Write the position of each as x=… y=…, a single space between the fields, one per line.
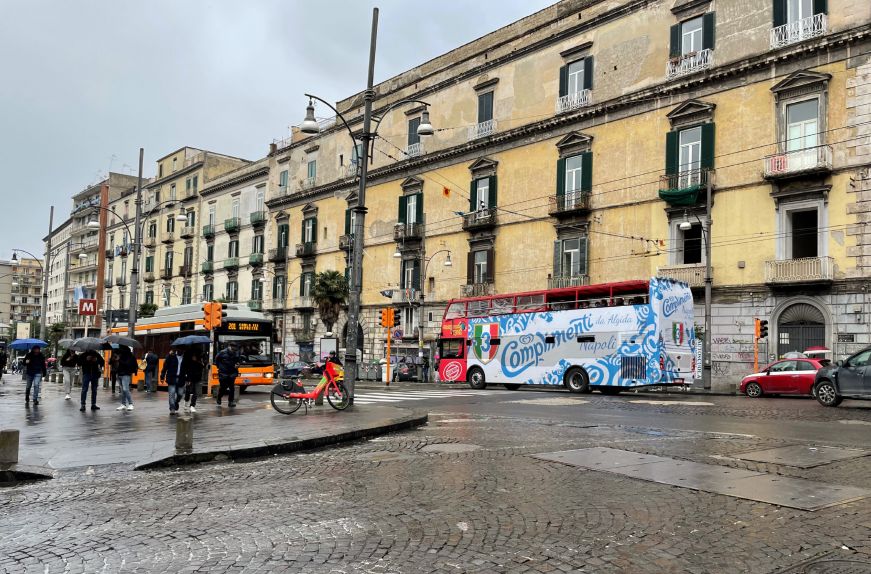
x=87 y=306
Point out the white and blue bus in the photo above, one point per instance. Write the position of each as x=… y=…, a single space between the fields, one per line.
x=605 y=337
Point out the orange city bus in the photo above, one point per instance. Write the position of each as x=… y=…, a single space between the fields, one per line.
x=250 y=330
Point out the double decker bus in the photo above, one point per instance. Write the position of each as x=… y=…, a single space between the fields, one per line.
x=249 y=330
x=606 y=337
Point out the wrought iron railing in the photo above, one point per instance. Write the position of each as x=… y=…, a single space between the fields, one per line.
x=689 y=63
x=800 y=270
x=692 y=274
x=574 y=101
x=403 y=231
x=817 y=158
x=798 y=31
x=477 y=289
x=482 y=129
x=481 y=218
x=560 y=281
x=570 y=201
x=414 y=150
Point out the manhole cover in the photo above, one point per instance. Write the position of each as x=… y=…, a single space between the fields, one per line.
x=832 y=567
x=801 y=456
x=450 y=447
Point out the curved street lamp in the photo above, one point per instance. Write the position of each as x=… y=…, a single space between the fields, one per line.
x=310 y=126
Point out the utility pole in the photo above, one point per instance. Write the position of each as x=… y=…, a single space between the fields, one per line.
x=43 y=332
x=706 y=372
x=137 y=242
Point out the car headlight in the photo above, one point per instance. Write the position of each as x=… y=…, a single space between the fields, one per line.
x=268 y=375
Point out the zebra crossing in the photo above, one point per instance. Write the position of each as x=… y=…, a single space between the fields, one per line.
x=367 y=397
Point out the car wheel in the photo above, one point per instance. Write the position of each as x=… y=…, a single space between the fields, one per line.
x=753 y=390
x=577 y=381
x=827 y=394
x=476 y=378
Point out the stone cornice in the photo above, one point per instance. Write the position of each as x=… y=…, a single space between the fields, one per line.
x=264 y=170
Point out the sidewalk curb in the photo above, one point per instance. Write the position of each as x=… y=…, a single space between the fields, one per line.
x=405 y=385
x=283 y=446
x=12 y=474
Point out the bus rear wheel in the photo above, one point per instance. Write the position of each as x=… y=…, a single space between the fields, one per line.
x=577 y=381
x=476 y=379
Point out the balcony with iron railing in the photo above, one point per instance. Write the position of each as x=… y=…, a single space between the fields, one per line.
x=798 y=162
x=477 y=289
x=303 y=302
x=303 y=334
x=574 y=101
x=682 y=188
x=346 y=241
x=407 y=231
x=405 y=296
x=306 y=249
x=278 y=254
x=150 y=242
x=231 y=263
x=570 y=203
x=255 y=304
x=257 y=218
x=207 y=267
x=167 y=237
x=185 y=270
x=149 y=277
x=414 y=150
x=187 y=232
x=308 y=182
x=480 y=219
x=110 y=254
x=255 y=259
x=559 y=281
x=232 y=224
x=481 y=130
x=804 y=270
x=693 y=274
x=166 y=273
x=120 y=281
x=690 y=63
x=275 y=304
x=209 y=231
x=798 y=31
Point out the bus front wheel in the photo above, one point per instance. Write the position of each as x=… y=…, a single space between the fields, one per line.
x=476 y=379
x=577 y=381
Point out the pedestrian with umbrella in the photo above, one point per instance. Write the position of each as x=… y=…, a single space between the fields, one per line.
x=193 y=374
x=34 y=371
x=127 y=368
x=91 y=364
x=68 y=364
x=170 y=375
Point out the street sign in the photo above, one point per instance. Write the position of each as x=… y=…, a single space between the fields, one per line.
x=397 y=334
x=87 y=306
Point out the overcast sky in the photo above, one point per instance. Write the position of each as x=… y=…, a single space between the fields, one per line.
x=85 y=83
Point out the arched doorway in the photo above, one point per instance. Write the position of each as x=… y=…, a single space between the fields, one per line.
x=800 y=326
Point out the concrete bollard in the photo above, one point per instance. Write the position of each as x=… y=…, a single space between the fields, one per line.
x=9 y=446
x=184 y=434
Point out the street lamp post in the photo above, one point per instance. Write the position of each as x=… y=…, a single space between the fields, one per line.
x=427 y=260
x=44 y=309
x=709 y=280
x=310 y=126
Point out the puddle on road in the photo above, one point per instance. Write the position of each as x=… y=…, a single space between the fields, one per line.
x=854 y=422
x=556 y=402
x=668 y=403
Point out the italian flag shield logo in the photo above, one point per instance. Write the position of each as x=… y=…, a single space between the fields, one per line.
x=677 y=333
x=482 y=336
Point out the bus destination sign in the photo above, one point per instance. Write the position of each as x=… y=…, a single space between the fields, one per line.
x=246 y=327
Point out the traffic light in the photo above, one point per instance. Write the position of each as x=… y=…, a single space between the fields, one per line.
x=218 y=314
x=395 y=318
x=207 y=316
x=756 y=328
x=385 y=317
x=763 y=328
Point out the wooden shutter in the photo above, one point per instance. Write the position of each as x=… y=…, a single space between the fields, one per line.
x=415 y=277
x=470 y=268
x=491 y=256
x=583 y=251
x=588 y=73
x=314 y=229
x=563 y=81
x=820 y=7
x=674 y=48
x=302 y=235
x=283 y=232
x=561 y=176
x=419 y=218
x=708 y=145
x=403 y=203
x=347 y=222
x=587 y=171
x=779 y=13
x=492 y=183
x=708 y=31
x=302 y=284
x=473 y=195
x=557 y=272
x=671 y=153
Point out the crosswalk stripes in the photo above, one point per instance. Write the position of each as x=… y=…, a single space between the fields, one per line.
x=364 y=397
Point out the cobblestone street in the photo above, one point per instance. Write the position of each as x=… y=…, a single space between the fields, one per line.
x=461 y=494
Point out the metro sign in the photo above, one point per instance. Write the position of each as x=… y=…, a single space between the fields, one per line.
x=87 y=306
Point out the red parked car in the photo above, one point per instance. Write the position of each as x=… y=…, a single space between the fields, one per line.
x=784 y=377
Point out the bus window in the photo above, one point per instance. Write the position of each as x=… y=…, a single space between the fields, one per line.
x=479 y=308
x=503 y=305
x=455 y=311
x=530 y=303
x=252 y=350
x=451 y=348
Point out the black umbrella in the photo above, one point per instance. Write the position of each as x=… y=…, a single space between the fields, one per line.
x=65 y=343
x=121 y=340
x=89 y=344
x=191 y=340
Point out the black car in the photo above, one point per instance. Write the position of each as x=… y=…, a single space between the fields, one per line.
x=849 y=379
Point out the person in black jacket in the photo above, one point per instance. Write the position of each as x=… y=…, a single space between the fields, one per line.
x=127 y=367
x=4 y=358
x=91 y=363
x=34 y=371
x=170 y=375
x=151 y=364
x=193 y=373
x=227 y=362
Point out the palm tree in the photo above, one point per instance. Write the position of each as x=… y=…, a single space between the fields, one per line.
x=330 y=294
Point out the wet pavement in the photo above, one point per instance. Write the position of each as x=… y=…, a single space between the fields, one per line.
x=56 y=435
x=468 y=493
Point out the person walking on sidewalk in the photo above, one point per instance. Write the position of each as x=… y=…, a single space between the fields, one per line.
x=91 y=364
x=127 y=367
x=169 y=375
x=34 y=371
x=113 y=370
x=193 y=374
x=4 y=358
x=151 y=363
x=227 y=362
x=68 y=364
